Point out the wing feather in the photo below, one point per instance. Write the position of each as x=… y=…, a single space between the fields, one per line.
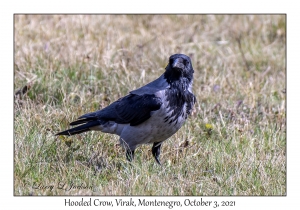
x=133 y=109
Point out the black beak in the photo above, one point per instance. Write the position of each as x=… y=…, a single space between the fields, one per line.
x=177 y=64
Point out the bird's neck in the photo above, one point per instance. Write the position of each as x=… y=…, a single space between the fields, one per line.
x=183 y=84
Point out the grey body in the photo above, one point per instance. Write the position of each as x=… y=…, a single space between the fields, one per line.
x=150 y=114
x=152 y=130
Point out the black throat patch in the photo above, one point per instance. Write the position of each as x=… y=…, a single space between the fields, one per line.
x=179 y=97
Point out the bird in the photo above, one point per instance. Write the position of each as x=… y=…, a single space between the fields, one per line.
x=148 y=115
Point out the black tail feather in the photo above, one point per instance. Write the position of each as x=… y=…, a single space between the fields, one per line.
x=79 y=129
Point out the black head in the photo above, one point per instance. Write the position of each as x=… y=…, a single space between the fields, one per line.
x=180 y=66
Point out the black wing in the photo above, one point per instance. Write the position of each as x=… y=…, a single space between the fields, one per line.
x=133 y=109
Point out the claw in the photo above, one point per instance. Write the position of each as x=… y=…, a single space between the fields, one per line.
x=129 y=155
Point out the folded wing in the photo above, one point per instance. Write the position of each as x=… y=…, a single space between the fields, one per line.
x=132 y=109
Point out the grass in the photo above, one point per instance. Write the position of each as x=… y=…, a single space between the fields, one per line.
x=67 y=65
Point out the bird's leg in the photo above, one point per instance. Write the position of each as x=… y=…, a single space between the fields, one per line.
x=129 y=155
x=156 y=151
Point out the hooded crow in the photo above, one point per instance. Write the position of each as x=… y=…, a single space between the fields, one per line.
x=150 y=114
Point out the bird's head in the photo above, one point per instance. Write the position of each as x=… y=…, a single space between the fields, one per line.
x=180 y=66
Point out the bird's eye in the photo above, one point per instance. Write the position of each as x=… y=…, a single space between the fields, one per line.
x=186 y=62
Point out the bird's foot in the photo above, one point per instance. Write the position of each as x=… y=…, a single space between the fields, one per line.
x=129 y=155
x=156 y=151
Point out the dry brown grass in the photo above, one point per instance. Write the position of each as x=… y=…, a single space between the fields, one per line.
x=67 y=65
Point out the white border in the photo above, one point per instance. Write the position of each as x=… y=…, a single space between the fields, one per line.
x=175 y=6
